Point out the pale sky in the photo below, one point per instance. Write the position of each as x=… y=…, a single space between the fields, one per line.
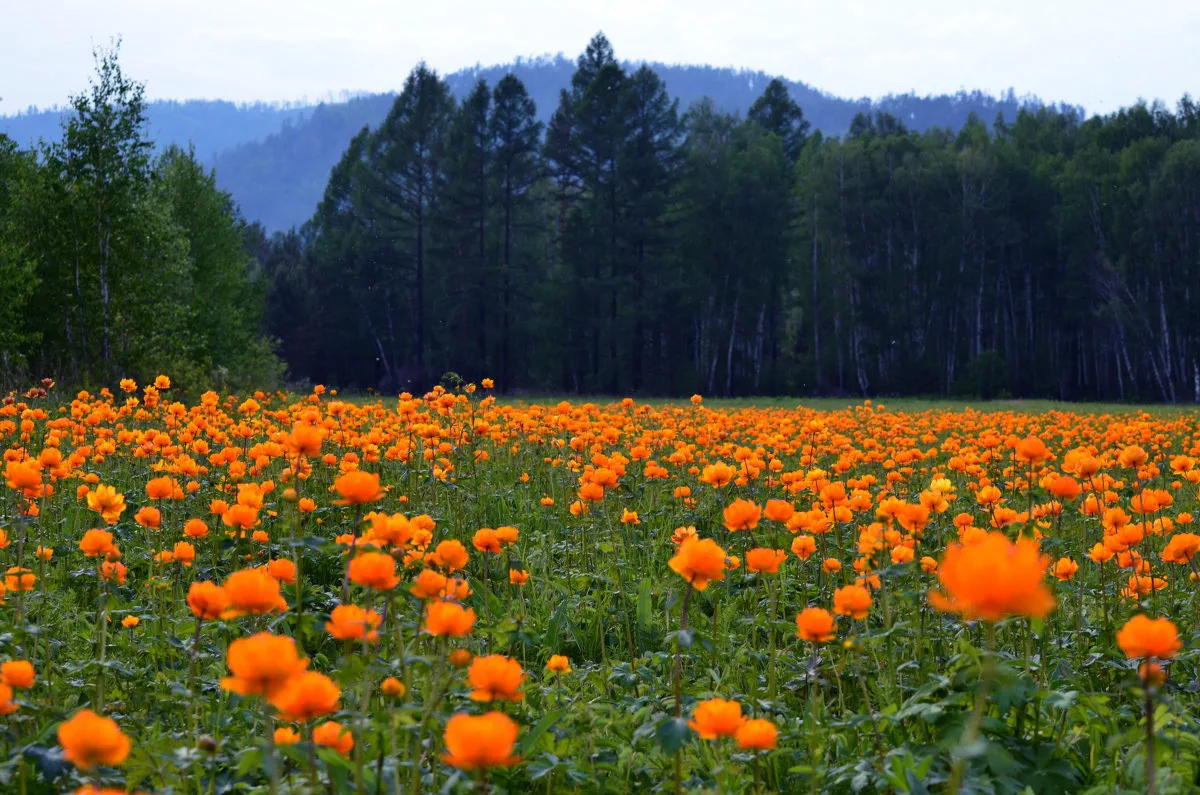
x=1097 y=53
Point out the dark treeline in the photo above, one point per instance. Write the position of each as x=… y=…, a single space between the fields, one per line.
x=627 y=246
x=116 y=261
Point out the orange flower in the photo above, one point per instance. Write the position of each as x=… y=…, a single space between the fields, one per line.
x=429 y=584
x=107 y=502
x=184 y=553
x=286 y=735
x=96 y=543
x=518 y=576
x=160 y=488
x=240 y=516
x=486 y=540
x=331 y=734
x=803 y=547
x=699 y=561
x=757 y=735
x=853 y=601
x=195 y=528
x=374 y=570
x=253 y=591
x=1147 y=637
x=718 y=474
x=1032 y=450
x=1100 y=554
x=496 y=677
x=558 y=664
x=283 y=570
x=262 y=664
x=25 y=477
x=304 y=440
x=460 y=658
x=18 y=674
x=815 y=625
x=477 y=743
x=351 y=622
x=717 y=717
x=742 y=515
x=448 y=618
x=1065 y=568
x=778 y=510
x=450 y=555
x=18 y=578
x=993 y=578
x=765 y=561
x=88 y=739
x=207 y=600
x=392 y=687
x=357 y=487
x=1181 y=548
x=306 y=696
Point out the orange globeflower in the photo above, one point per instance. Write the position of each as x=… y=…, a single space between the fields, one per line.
x=993 y=578
x=853 y=601
x=262 y=664
x=357 y=487
x=18 y=578
x=105 y=501
x=374 y=570
x=25 y=477
x=283 y=570
x=429 y=584
x=448 y=618
x=778 y=510
x=1149 y=637
x=306 y=696
x=765 y=561
x=18 y=674
x=558 y=664
x=240 y=516
x=207 y=600
x=742 y=515
x=803 y=547
x=450 y=555
x=815 y=625
x=160 y=488
x=1181 y=548
x=477 y=743
x=332 y=734
x=757 y=735
x=182 y=553
x=304 y=440
x=1032 y=450
x=195 y=528
x=717 y=717
x=1065 y=568
x=518 y=576
x=286 y=735
x=699 y=561
x=351 y=622
x=148 y=517
x=88 y=739
x=96 y=543
x=253 y=591
x=496 y=677
x=486 y=540
x=718 y=474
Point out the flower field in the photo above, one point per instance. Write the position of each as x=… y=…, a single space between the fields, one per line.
x=450 y=593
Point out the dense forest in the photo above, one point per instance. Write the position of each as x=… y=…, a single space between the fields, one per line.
x=275 y=160
x=116 y=261
x=621 y=243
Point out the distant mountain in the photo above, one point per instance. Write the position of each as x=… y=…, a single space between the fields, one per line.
x=275 y=159
x=211 y=125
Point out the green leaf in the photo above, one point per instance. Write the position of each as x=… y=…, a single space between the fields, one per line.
x=672 y=734
x=540 y=728
x=645 y=605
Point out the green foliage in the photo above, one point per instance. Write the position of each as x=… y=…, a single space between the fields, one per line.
x=120 y=264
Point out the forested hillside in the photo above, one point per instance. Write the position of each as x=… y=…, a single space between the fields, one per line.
x=632 y=246
x=275 y=160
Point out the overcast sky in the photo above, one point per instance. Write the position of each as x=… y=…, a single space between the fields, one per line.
x=1098 y=53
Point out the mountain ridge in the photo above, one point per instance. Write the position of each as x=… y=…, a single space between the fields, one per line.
x=274 y=158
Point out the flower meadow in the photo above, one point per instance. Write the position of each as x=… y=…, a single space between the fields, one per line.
x=450 y=593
